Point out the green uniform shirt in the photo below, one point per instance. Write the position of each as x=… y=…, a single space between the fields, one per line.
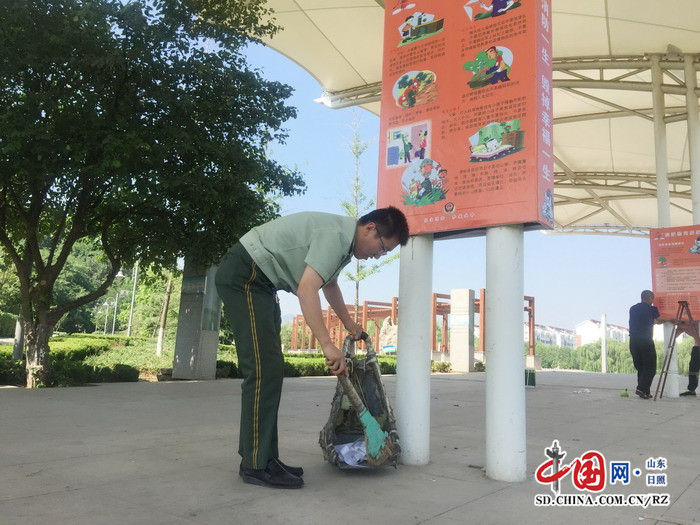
x=283 y=248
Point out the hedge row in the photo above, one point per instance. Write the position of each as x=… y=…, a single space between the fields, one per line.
x=7 y=324
x=82 y=359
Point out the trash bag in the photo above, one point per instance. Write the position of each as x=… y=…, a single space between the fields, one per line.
x=344 y=426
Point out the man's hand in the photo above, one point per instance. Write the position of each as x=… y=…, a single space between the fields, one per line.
x=355 y=330
x=335 y=360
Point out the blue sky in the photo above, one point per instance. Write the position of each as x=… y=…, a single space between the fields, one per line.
x=572 y=277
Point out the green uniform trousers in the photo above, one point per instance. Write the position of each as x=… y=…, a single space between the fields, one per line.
x=253 y=310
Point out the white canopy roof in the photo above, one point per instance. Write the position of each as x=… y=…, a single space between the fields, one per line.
x=605 y=167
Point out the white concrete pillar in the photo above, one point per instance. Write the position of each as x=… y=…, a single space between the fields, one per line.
x=505 y=381
x=197 y=339
x=413 y=352
x=462 y=330
x=663 y=196
x=691 y=104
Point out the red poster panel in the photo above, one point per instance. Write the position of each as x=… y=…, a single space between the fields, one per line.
x=466 y=114
x=675 y=269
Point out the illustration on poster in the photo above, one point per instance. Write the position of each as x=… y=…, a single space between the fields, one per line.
x=490 y=66
x=548 y=206
x=406 y=142
x=496 y=8
x=414 y=88
x=419 y=26
x=695 y=248
x=400 y=6
x=496 y=140
x=424 y=183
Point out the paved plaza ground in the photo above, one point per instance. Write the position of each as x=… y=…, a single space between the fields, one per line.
x=165 y=453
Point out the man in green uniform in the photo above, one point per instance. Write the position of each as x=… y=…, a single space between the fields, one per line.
x=303 y=254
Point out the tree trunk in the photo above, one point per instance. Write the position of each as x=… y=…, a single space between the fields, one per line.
x=18 y=347
x=357 y=290
x=38 y=363
x=164 y=317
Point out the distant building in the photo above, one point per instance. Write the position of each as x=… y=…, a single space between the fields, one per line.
x=589 y=332
x=551 y=335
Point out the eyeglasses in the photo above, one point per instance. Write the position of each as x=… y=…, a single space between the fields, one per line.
x=384 y=250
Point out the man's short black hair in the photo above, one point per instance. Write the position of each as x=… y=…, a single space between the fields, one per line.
x=390 y=221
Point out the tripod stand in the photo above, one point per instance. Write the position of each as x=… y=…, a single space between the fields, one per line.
x=683 y=309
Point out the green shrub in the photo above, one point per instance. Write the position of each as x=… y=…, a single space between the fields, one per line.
x=7 y=324
x=387 y=364
x=227 y=353
x=226 y=369
x=12 y=372
x=94 y=358
x=310 y=355
x=479 y=366
x=304 y=366
x=76 y=349
x=74 y=373
x=141 y=357
x=441 y=367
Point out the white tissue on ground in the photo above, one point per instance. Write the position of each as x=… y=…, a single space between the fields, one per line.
x=353 y=454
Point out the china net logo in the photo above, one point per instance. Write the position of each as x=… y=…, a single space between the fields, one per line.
x=590 y=474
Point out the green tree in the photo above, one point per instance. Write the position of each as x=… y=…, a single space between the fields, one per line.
x=9 y=285
x=83 y=272
x=136 y=126
x=356 y=206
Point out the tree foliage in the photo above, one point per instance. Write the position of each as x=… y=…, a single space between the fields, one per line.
x=137 y=127
x=588 y=357
x=357 y=205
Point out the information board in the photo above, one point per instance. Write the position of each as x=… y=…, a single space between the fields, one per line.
x=675 y=269
x=466 y=114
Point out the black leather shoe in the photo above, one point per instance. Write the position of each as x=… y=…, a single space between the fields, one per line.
x=643 y=395
x=272 y=476
x=297 y=471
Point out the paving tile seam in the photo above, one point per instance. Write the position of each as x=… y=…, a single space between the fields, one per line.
x=92 y=484
x=157 y=448
x=469 y=502
x=679 y=496
x=661 y=521
x=160 y=509
x=656 y=424
x=40 y=494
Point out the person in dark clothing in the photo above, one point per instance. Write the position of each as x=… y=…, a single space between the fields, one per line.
x=694 y=367
x=643 y=316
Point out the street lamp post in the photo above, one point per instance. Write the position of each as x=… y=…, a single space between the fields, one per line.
x=116 y=303
x=106 y=307
x=134 y=276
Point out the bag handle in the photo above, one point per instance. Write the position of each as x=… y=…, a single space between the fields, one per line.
x=349 y=345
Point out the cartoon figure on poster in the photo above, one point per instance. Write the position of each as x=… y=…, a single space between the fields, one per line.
x=547 y=208
x=419 y=26
x=424 y=183
x=414 y=88
x=479 y=10
x=662 y=262
x=407 y=143
x=401 y=5
x=490 y=66
x=695 y=248
x=496 y=140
